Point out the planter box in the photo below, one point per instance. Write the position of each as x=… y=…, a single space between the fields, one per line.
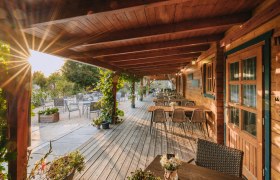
x=48 y=118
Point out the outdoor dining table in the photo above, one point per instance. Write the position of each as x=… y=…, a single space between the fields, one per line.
x=189 y=171
x=171 y=109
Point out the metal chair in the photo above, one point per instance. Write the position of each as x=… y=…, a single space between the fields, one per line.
x=159 y=117
x=59 y=103
x=72 y=107
x=198 y=118
x=219 y=158
x=94 y=108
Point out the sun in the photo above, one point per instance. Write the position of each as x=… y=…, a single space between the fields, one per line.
x=45 y=63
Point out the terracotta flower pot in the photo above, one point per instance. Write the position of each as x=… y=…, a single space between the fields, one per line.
x=170 y=175
x=70 y=176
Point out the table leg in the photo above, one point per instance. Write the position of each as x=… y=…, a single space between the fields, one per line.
x=151 y=122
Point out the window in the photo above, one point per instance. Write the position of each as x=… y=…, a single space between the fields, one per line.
x=209 y=78
x=242 y=84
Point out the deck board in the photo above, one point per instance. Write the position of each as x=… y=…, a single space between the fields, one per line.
x=115 y=153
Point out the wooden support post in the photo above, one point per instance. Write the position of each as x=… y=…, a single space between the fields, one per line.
x=148 y=86
x=219 y=90
x=18 y=100
x=133 y=94
x=114 y=91
x=16 y=82
x=141 y=90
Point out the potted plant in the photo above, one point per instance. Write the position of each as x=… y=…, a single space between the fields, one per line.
x=97 y=122
x=49 y=115
x=170 y=163
x=140 y=174
x=66 y=166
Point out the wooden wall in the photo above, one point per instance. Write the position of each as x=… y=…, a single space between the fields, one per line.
x=275 y=89
x=195 y=93
x=216 y=119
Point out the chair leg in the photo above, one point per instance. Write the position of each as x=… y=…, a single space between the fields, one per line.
x=165 y=127
x=207 y=129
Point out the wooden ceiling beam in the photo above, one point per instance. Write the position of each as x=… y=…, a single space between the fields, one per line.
x=179 y=65
x=186 y=26
x=176 y=57
x=174 y=61
x=154 y=54
x=152 y=46
x=146 y=73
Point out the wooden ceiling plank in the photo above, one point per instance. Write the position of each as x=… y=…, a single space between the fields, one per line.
x=159 y=66
x=174 y=61
x=161 y=59
x=157 y=45
x=186 y=26
x=158 y=53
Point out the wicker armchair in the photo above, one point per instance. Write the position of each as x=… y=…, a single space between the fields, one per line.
x=219 y=158
x=159 y=117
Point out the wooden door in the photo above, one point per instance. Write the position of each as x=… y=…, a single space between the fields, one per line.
x=244 y=104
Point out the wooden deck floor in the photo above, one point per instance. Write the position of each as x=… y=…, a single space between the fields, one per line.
x=113 y=154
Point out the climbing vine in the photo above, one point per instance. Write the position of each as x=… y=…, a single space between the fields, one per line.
x=5 y=155
x=131 y=79
x=105 y=86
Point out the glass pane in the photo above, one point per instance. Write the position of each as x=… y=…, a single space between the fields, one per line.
x=234 y=71
x=234 y=93
x=249 y=122
x=234 y=115
x=249 y=95
x=249 y=69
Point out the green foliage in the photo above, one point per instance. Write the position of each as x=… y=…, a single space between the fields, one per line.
x=142 y=175
x=105 y=86
x=4 y=55
x=58 y=85
x=40 y=79
x=84 y=76
x=97 y=122
x=64 y=166
x=5 y=145
x=37 y=96
x=52 y=84
x=48 y=111
x=131 y=80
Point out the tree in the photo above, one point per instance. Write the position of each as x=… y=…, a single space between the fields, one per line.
x=40 y=79
x=52 y=84
x=84 y=76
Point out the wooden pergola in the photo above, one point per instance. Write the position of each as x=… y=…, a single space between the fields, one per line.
x=141 y=37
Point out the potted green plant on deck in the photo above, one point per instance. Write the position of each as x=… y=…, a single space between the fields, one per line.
x=49 y=115
x=107 y=101
x=97 y=122
x=63 y=168
x=66 y=166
